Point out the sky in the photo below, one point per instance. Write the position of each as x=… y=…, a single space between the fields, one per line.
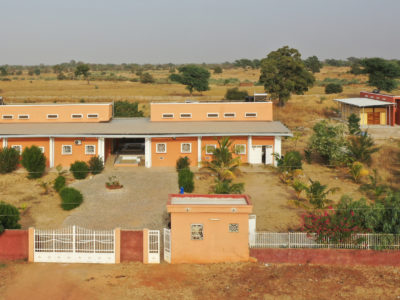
x=184 y=31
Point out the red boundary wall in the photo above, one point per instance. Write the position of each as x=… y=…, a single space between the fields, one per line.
x=14 y=244
x=328 y=256
x=131 y=245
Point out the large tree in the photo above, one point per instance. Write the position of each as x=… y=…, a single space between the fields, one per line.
x=313 y=64
x=83 y=69
x=283 y=72
x=194 y=77
x=382 y=73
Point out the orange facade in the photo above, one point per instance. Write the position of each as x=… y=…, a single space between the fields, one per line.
x=206 y=142
x=79 y=151
x=173 y=150
x=42 y=143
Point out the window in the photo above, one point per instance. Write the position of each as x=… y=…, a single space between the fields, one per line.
x=66 y=149
x=8 y=117
x=161 y=148
x=240 y=149
x=229 y=115
x=197 y=231
x=212 y=115
x=167 y=116
x=185 y=115
x=186 y=148
x=76 y=116
x=250 y=115
x=18 y=148
x=92 y=116
x=52 y=116
x=90 y=149
x=210 y=149
x=233 y=227
x=23 y=117
x=41 y=148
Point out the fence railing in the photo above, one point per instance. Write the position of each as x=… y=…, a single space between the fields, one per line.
x=304 y=240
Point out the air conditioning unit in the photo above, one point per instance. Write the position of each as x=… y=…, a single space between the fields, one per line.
x=78 y=142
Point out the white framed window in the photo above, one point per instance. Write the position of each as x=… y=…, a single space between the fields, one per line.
x=18 y=148
x=52 y=116
x=66 y=149
x=213 y=115
x=233 y=227
x=23 y=117
x=185 y=115
x=167 y=116
x=90 y=149
x=76 y=116
x=210 y=149
x=196 y=232
x=230 y=115
x=92 y=116
x=161 y=148
x=250 y=115
x=7 y=117
x=41 y=148
x=186 y=147
x=240 y=149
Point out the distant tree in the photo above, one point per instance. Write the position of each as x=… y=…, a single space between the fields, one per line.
x=194 y=77
x=236 y=94
x=333 y=88
x=313 y=64
x=217 y=70
x=82 y=69
x=146 y=78
x=336 y=62
x=125 y=109
x=353 y=124
x=36 y=71
x=382 y=73
x=3 y=71
x=283 y=73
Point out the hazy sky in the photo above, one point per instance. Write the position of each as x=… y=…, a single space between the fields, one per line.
x=181 y=31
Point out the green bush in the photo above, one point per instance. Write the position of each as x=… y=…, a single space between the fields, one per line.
x=9 y=160
x=70 y=198
x=59 y=183
x=236 y=94
x=185 y=180
x=290 y=161
x=227 y=187
x=79 y=169
x=333 y=88
x=9 y=217
x=96 y=165
x=34 y=161
x=182 y=163
x=146 y=78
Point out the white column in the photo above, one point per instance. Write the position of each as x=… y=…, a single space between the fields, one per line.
x=249 y=149
x=147 y=152
x=252 y=230
x=277 y=148
x=4 y=143
x=199 y=151
x=51 y=152
x=100 y=148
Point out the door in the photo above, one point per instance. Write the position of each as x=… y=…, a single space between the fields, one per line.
x=154 y=247
x=268 y=158
x=256 y=155
x=167 y=245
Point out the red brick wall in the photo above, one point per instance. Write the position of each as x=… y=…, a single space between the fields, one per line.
x=131 y=245
x=14 y=244
x=328 y=256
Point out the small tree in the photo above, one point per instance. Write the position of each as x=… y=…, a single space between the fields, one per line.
x=79 y=169
x=298 y=187
x=317 y=194
x=236 y=94
x=59 y=183
x=313 y=64
x=83 y=69
x=9 y=217
x=217 y=70
x=382 y=73
x=9 y=160
x=70 y=198
x=357 y=171
x=227 y=187
x=333 y=88
x=34 y=161
x=194 y=77
x=182 y=163
x=96 y=165
x=361 y=147
x=185 y=180
x=126 y=109
x=146 y=78
x=353 y=124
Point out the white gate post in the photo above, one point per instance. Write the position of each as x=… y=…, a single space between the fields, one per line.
x=252 y=230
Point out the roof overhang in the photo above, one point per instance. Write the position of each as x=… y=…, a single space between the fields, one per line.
x=363 y=102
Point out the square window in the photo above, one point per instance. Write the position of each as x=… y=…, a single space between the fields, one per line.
x=41 y=148
x=66 y=149
x=233 y=227
x=186 y=148
x=90 y=149
x=18 y=148
x=197 y=232
x=161 y=148
x=210 y=149
x=240 y=149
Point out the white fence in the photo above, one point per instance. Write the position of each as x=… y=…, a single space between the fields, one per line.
x=304 y=240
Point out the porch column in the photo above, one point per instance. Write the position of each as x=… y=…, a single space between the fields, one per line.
x=147 y=152
x=199 y=151
x=249 y=149
x=277 y=148
x=100 y=148
x=4 y=143
x=51 y=152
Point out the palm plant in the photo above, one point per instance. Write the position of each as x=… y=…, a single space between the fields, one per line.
x=317 y=194
x=361 y=147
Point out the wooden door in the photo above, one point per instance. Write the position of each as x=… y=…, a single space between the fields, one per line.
x=377 y=118
x=370 y=118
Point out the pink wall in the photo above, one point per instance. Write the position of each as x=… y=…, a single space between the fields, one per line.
x=14 y=245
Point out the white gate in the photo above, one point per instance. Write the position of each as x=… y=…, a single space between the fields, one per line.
x=154 y=247
x=74 y=245
x=167 y=245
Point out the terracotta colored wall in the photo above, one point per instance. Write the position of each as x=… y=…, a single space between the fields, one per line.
x=38 y=113
x=28 y=142
x=218 y=245
x=214 y=141
x=263 y=140
x=14 y=244
x=173 y=151
x=327 y=256
x=78 y=151
x=199 y=111
x=131 y=245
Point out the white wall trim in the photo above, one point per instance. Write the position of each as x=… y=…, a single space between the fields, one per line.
x=147 y=152
x=51 y=152
x=250 y=151
x=4 y=143
x=277 y=148
x=100 y=148
x=199 y=151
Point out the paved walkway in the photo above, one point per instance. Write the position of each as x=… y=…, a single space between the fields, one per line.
x=381 y=132
x=141 y=203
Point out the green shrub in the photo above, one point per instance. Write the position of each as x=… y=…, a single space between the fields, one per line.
x=96 y=165
x=185 y=180
x=146 y=78
x=290 y=161
x=333 y=88
x=227 y=187
x=9 y=217
x=9 y=160
x=34 y=161
x=79 y=169
x=182 y=163
x=236 y=94
x=59 y=183
x=70 y=198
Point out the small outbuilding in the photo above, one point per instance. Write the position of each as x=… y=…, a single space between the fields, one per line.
x=209 y=228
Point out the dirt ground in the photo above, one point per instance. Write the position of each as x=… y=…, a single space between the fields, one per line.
x=215 y=281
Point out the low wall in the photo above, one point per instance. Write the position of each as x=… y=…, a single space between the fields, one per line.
x=131 y=245
x=14 y=244
x=328 y=256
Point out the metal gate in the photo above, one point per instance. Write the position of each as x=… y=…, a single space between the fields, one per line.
x=154 y=247
x=74 y=245
x=167 y=245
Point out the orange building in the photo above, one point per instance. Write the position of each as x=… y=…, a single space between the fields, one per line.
x=70 y=132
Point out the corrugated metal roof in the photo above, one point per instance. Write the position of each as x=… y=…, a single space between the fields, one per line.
x=363 y=102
